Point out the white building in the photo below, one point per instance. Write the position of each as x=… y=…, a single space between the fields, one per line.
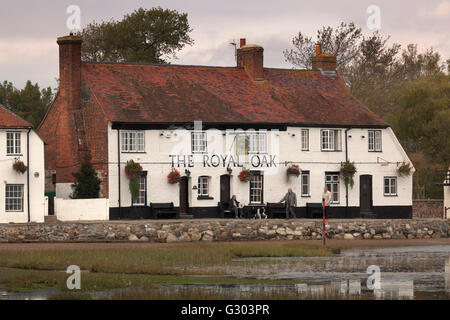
x=21 y=194
x=212 y=122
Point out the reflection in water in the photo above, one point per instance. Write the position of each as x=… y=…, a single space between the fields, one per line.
x=447 y=274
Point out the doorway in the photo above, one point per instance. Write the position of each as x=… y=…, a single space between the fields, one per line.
x=365 y=193
x=184 y=196
x=225 y=195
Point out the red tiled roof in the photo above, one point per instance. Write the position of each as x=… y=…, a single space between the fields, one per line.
x=142 y=93
x=9 y=119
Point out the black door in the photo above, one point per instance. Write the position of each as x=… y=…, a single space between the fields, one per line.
x=184 y=191
x=225 y=188
x=365 y=193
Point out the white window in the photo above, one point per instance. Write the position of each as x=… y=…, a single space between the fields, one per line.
x=305 y=183
x=14 y=197
x=203 y=186
x=256 y=188
x=374 y=140
x=198 y=142
x=332 y=183
x=331 y=140
x=141 y=199
x=133 y=141
x=251 y=143
x=390 y=186
x=305 y=139
x=13 y=143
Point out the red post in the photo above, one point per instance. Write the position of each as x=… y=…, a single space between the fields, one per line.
x=324 y=241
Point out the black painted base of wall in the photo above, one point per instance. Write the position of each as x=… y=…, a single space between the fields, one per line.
x=379 y=212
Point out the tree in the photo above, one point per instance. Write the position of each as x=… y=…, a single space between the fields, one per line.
x=30 y=103
x=87 y=184
x=142 y=36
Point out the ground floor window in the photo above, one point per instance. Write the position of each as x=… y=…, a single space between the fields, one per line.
x=14 y=197
x=142 y=198
x=256 y=188
x=390 y=186
x=305 y=183
x=332 y=183
x=203 y=186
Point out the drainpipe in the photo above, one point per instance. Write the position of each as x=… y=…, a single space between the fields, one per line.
x=28 y=175
x=346 y=159
x=118 y=166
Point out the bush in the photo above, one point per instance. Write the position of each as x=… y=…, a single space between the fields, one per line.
x=87 y=184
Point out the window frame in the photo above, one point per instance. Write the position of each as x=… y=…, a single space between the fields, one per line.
x=334 y=140
x=126 y=145
x=144 y=191
x=21 y=198
x=331 y=183
x=204 y=139
x=375 y=142
x=201 y=188
x=256 y=174
x=250 y=144
x=304 y=141
x=390 y=193
x=16 y=143
x=307 y=174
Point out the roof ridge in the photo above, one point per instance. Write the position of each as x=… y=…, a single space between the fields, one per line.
x=159 y=64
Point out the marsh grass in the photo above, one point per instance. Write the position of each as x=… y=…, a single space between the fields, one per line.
x=180 y=259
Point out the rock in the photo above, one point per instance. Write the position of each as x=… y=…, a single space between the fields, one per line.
x=281 y=231
x=356 y=234
x=348 y=236
x=133 y=237
x=161 y=234
x=171 y=238
x=185 y=237
x=195 y=236
x=143 y=239
x=367 y=235
x=372 y=231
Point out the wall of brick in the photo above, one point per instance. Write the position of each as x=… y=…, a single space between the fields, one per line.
x=428 y=208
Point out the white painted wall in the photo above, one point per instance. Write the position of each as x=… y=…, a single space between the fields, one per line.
x=447 y=201
x=63 y=190
x=37 y=176
x=285 y=144
x=81 y=209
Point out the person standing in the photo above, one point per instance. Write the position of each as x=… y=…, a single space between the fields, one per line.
x=234 y=207
x=291 y=202
x=326 y=198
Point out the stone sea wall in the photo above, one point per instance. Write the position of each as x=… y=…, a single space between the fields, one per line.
x=223 y=230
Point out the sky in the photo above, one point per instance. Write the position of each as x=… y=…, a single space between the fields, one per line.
x=28 y=29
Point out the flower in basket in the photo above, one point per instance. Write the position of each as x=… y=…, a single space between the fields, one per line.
x=245 y=175
x=19 y=167
x=404 y=169
x=293 y=170
x=174 y=176
x=347 y=172
x=133 y=171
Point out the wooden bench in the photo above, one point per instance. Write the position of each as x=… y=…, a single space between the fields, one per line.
x=163 y=211
x=276 y=210
x=314 y=210
x=224 y=210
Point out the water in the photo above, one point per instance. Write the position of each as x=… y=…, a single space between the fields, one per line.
x=405 y=273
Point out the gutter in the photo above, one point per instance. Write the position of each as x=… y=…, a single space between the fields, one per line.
x=28 y=175
x=346 y=159
x=118 y=167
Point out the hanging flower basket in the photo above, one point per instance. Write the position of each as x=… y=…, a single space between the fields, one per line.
x=174 y=176
x=404 y=169
x=293 y=170
x=19 y=167
x=133 y=172
x=347 y=173
x=245 y=175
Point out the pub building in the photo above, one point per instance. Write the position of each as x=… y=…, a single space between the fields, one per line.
x=216 y=125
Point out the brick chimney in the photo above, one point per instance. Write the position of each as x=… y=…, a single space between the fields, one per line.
x=323 y=61
x=250 y=57
x=70 y=70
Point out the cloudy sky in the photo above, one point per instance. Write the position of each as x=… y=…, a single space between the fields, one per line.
x=28 y=29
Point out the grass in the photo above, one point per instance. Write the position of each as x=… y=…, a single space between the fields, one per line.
x=145 y=268
x=181 y=259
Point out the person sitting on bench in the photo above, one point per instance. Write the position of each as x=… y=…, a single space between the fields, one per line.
x=234 y=207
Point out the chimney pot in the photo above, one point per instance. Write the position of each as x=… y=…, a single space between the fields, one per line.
x=318 y=49
x=242 y=42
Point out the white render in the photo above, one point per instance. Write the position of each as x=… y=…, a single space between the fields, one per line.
x=81 y=209
x=36 y=177
x=286 y=145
